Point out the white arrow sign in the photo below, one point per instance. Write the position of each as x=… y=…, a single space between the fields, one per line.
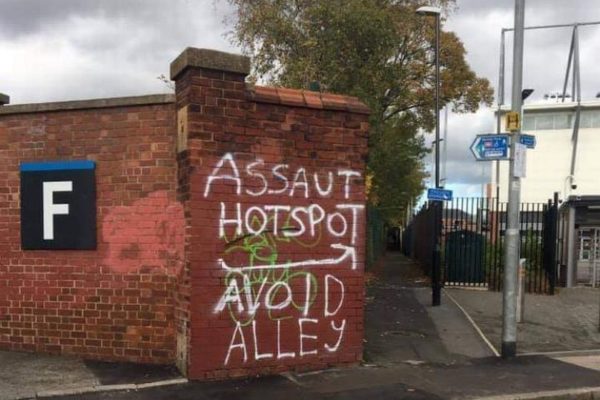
x=490 y=147
x=349 y=252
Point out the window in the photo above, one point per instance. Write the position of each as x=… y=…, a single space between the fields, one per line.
x=528 y=123
x=562 y=121
x=585 y=119
x=544 y=122
x=595 y=119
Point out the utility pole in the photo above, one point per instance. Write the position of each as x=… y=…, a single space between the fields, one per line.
x=444 y=177
x=436 y=295
x=437 y=205
x=512 y=241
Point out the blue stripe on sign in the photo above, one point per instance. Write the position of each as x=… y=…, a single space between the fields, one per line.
x=57 y=165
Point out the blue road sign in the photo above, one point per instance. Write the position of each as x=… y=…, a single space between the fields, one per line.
x=527 y=140
x=439 y=194
x=490 y=147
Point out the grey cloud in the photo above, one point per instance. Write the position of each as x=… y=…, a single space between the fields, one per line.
x=19 y=17
x=537 y=12
x=62 y=49
x=23 y=17
x=482 y=6
x=461 y=167
x=469 y=171
x=462 y=129
x=479 y=23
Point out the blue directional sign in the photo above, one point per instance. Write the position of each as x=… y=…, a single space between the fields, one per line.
x=490 y=147
x=439 y=194
x=527 y=140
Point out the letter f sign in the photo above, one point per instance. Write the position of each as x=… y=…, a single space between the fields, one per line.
x=58 y=205
x=51 y=209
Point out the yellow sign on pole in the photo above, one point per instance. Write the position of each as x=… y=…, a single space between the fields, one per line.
x=513 y=121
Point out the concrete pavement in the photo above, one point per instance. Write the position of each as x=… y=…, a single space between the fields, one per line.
x=567 y=321
x=532 y=377
x=412 y=351
x=26 y=375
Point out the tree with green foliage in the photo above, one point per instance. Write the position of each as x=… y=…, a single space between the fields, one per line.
x=377 y=50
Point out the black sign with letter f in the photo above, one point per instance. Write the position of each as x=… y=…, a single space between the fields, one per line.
x=58 y=205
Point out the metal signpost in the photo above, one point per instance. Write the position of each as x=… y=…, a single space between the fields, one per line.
x=512 y=234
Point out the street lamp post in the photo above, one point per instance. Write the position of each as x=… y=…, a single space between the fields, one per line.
x=435 y=12
x=436 y=286
x=568 y=187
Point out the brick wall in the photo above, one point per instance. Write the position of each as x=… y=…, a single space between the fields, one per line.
x=230 y=224
x=277 y=222
x=117 y=302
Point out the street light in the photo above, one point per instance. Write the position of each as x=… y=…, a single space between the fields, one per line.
x=436 y=286
x=525 y=93
x=568 y=187
x=435 y=12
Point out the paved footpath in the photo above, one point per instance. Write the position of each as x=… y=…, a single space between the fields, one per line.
x=412 y=351
x=567 y=321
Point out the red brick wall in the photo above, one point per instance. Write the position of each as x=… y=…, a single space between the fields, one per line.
x=262 y=315
x=117 y=302
x=175 y=278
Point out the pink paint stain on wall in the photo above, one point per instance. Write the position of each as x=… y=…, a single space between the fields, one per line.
x=145 y=236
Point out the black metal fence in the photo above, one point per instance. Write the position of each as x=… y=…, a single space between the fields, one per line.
x=472 y=238
x=376 y=236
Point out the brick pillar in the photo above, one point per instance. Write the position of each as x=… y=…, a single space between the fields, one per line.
x=273 y=187
x=210 y=94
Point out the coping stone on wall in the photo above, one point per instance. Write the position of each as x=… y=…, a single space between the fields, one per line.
x=210 y=59
x=305 y=98
x=88 y=104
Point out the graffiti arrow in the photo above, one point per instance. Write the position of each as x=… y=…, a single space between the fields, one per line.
x=349 y=251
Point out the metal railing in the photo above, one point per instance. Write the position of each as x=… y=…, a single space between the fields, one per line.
x=472 y=238
x=376 y=236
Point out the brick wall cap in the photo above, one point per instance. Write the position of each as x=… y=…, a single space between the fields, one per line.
x=305 y=98
x=263 y=94
x=88 y=104
x=210 y=59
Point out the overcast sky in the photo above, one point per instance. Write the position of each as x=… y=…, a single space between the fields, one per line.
x=77 y=49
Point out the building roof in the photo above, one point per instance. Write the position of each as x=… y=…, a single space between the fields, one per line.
x=589 y=200
x=550 y=106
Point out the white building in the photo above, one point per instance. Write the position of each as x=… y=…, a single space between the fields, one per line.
x=549 y=164
x=569 y=164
